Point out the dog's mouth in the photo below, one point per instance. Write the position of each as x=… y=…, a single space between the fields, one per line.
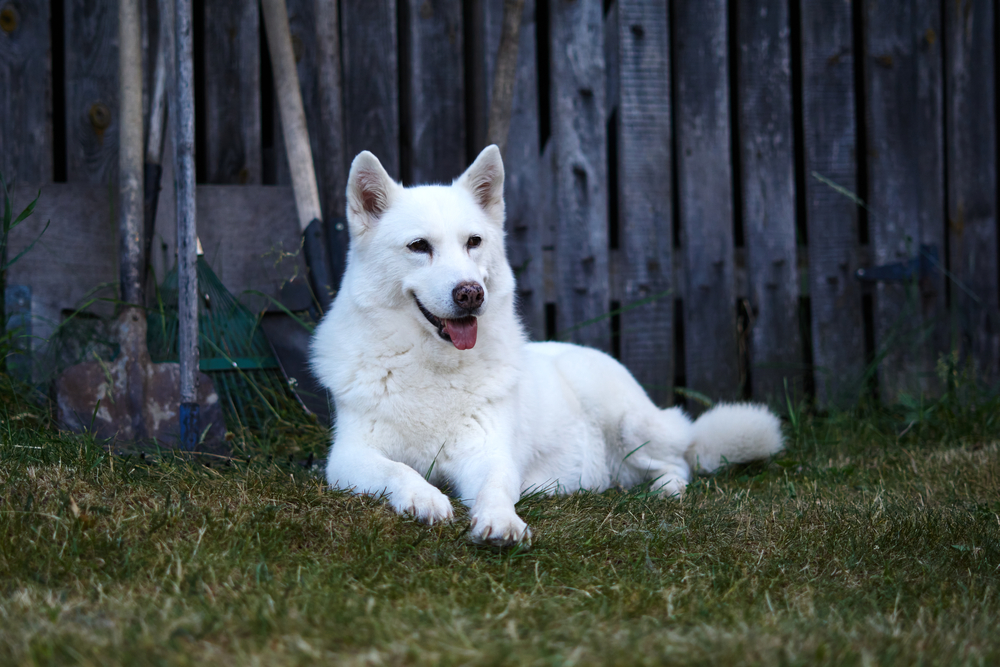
x=460 y=332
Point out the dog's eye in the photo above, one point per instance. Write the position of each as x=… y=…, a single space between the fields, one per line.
x=475 y=241
x=421 y=246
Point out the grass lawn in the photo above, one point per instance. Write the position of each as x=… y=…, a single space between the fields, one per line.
x=874 y=540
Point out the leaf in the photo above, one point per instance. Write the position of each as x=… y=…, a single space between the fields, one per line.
x=27 y=211
x=960 y=547
x=30 y=246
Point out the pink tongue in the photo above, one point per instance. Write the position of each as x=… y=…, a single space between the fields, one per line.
x=462 y=332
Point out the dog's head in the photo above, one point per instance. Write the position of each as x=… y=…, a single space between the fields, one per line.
x=434 y=249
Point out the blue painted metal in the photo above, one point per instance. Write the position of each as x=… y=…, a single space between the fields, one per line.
x=189 y=426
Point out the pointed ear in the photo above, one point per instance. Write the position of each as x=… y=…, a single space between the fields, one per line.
x=370 y=192
x=485 y=180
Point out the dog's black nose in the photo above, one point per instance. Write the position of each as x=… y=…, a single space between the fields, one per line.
x=468 y=296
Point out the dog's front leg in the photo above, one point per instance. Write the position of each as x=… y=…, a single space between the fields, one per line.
x=490 y=483
x=355 y=465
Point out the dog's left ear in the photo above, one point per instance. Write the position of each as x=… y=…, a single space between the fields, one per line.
x=484 y=178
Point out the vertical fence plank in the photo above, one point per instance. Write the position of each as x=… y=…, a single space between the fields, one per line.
x=829 y=135
x=579 y=136
x=521 y=161
x=705 y=191
x=767 y=180
x=371 y=79
x=906 y=187
x=92 y=91
x=330 y=156
x=25 y=106
x=972 y=180
x=232 y=92
x=432 y=91
x=645 y=214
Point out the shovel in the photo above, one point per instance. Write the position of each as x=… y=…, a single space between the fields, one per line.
x=300 y=159
x=131 y=398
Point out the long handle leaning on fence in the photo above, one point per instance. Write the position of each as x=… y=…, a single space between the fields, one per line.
x=300 y=158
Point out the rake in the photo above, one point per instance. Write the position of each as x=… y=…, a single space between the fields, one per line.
x=234 y=351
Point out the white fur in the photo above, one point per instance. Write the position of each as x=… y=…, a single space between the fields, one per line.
x=505 y=417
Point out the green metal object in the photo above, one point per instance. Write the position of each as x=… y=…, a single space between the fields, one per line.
x=234 y=351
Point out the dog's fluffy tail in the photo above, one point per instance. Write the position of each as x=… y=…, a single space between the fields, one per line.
x=733 y=433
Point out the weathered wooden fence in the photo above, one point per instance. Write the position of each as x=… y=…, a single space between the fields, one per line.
x=684 y=179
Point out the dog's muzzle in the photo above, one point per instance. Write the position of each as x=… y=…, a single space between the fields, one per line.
x=460 y=331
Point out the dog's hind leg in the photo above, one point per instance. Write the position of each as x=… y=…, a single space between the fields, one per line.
x=653 y=444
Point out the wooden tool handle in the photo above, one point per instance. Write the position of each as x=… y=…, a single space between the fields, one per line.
x=293 y=115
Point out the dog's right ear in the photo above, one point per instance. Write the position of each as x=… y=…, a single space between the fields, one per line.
x=370 y=192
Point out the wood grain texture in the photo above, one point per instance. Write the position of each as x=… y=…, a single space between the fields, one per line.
x=232 y=92
x=906 y=187
x=970 y=108
x=371 y=80
x=706 y=201
x=830 y=144
x=433 y=87
x=645 y=193
x=767 y=179
x=521 y=163
x=579 y=137
x=26 y=105
x=91 y=91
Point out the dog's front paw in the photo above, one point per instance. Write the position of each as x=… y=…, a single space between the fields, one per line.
x=427 y=504
x=499 y=528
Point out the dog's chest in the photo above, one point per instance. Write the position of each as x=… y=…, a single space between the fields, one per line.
x=417 y=412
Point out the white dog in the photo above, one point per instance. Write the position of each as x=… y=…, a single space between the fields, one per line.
x=434 y=382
